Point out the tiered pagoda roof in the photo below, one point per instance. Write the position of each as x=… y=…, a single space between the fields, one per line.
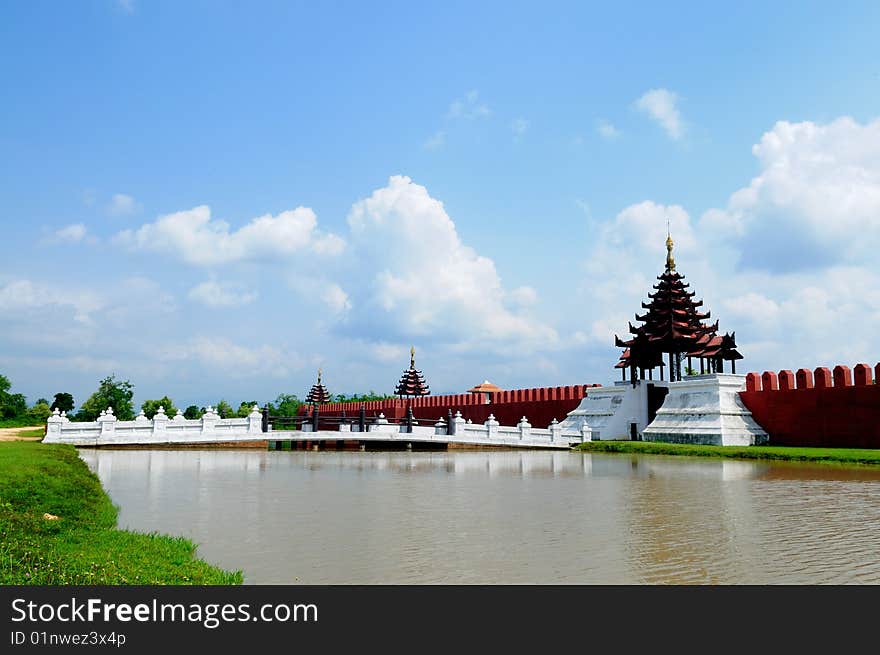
x=674 y=324
x=412 y=382
x=318 y=394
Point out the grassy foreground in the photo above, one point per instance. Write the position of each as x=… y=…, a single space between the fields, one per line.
x=82 y=545
x=784 y=453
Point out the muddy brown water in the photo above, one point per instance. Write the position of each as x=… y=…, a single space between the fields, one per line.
x=486 y=517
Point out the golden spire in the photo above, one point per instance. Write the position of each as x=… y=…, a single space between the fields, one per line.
x=412 y=356
x=319 y=376
x=670 y=260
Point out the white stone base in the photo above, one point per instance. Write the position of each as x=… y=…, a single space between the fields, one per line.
x=706 y=409
x=609 y=411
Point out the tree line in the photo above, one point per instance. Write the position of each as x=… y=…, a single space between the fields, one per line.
x=119 y=394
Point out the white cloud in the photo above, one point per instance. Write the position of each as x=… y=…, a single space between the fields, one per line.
x=73 y=233
x=122 y=205
x=435 y=141
x=606 y=130
x=197 y=239
x=469 y=108
x=336 y=299
x=519 y=126
x=388 y=352
x=815 y=201
x=19 y=295
x=126 y=5
x=660 y=105
x=235 y=360
x=524 y=296
x=219 y=294
x=416 y=277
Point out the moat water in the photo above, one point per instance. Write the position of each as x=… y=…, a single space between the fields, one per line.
x=503 y=517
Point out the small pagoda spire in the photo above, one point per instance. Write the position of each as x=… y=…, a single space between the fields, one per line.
x=670 y=260
x=318 y=394
x=412 y=382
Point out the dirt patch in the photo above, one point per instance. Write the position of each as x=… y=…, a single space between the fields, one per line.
x=15 y=434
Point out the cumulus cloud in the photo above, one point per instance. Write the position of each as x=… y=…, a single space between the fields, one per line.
x=607 y=130
x=235 y=360
x=417 y=278
x=73 y=233
x=336 y=299
x=660 y=105
x=524 y=296
x=19 y=295
x=198 y=239
x=815 y=202
x=219 y=294
x=122 y=205
x=388 y=352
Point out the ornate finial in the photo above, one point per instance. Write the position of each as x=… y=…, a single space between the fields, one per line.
x=319 y=376
x=412 y=356
x=670 y=260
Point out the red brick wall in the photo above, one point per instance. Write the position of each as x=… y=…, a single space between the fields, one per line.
x=540 y=406
x=824 y=408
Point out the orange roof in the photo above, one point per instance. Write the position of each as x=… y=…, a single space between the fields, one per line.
x=485 y=387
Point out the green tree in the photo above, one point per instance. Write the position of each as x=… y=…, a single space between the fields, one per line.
x=286 y=404
x=245 y=408
x=150 y=407
x=223 y=408
x=360 y=398
x=40 y=411
x=63 y=402
x=12 y=405
x=111 y=393
x=192 y=412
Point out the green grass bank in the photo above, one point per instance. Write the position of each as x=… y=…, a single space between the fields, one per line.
x=781 y=453
x=83 y=545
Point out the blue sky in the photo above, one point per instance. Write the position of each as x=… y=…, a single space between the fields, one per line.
x=214 y=199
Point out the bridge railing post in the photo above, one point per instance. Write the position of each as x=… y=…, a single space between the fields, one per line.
x=362 y=419
x=265 y=424
x=450 y=423
x=315 y=419
x=409 y=419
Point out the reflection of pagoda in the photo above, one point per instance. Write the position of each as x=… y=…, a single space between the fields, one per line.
x=318 y=394
x=673 y=325
x=412 y=382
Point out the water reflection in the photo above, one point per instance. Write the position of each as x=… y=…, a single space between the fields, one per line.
x=502 y=516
